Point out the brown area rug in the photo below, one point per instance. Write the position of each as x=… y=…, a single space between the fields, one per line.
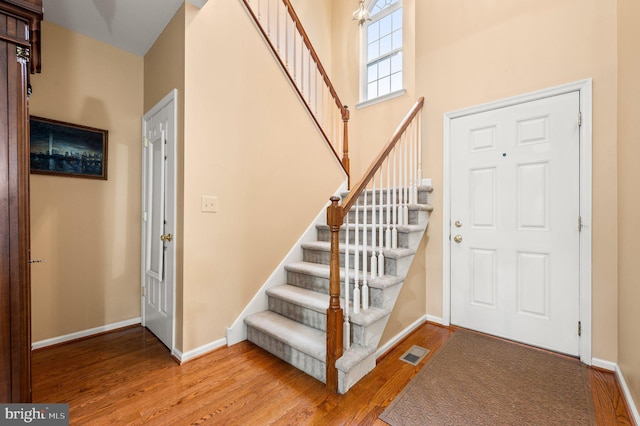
x=480 y=380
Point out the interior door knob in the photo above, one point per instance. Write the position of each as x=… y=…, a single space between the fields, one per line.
x=457 y=238
x=166 y=237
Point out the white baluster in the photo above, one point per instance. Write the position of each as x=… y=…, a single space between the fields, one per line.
x=356 y=264
x=365 y=288
x=387 y=243
x=411 y=170
x=374 y=243
x=347 y=325
x=394 y=207
x=405 y=188
x=381 y=233
x=419 y=143
x=278 y=26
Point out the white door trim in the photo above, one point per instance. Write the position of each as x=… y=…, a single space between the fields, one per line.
x=584 y=87
x=170 y=200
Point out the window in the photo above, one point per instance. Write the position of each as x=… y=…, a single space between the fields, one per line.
x=382 y=54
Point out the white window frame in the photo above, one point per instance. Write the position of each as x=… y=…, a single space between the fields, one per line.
x=364 y=52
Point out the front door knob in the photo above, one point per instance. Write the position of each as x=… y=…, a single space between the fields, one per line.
x=457 y=238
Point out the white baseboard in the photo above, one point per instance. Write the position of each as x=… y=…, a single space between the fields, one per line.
x=85 y=333
x=615 y=368
x=398 y=337
x=627 y=396
x=194 y=353
x=604 y=364
x=436 y=320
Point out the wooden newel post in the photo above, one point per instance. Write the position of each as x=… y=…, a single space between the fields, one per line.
x=335 y=217
x=345 y=146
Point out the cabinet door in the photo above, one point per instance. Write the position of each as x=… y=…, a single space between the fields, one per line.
x=15 y=315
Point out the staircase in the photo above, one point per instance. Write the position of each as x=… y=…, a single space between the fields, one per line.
x=294 y=327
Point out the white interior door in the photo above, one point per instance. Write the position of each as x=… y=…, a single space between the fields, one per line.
x=158 y=254
x=514 y=222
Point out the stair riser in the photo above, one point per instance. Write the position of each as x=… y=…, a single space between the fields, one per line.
x=310 y=365
x=369 y=335
x=298 y=313
x=322 y=257
x=404 y=238
x=423 y=197
x=360 y=335
x=415 y=217
x=312 y=282
x=384 y=298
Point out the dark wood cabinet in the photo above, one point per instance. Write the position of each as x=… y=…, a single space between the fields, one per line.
x=19 y=55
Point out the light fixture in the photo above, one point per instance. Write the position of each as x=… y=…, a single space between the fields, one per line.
x=362 y=14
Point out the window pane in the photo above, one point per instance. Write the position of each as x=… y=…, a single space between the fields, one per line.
x=385 y=45
x=396 y=62
x=384 y=68
x=384 y=86
x=385 y=26
x=396 y=81
x=373 y=31
x=381 y=5
x=397 y=19
x=372 y=90
x=397 y=39
x=373 y=51
x=372 y=73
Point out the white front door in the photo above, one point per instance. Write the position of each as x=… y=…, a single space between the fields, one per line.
x=158 y=203
x=514 y=222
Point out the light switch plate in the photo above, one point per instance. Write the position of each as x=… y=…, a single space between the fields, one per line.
x=209 y=204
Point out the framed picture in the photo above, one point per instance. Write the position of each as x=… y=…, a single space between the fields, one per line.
x=65 y=149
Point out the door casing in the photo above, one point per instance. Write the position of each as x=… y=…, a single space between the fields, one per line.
x=584 y=87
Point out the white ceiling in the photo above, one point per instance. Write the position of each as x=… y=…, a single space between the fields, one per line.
x=131 y=25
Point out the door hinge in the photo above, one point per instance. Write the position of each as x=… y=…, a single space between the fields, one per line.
x=144 y=291
x=579 y=328
x=145 y=142
x=579 y=223
x=579 y=118
x=144 y=216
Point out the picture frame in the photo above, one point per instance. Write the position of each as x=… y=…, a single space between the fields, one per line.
x=65 y=149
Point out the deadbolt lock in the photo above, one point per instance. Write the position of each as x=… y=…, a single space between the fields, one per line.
x=166 y=237
x=458 y=224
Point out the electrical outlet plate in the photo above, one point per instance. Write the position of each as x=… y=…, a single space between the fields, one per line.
x=209 y=204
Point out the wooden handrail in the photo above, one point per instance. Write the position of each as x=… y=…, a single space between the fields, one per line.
x=344 y=110
x=335 y=219
x=350 y=200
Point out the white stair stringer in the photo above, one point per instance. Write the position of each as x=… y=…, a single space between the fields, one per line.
x=294 y=327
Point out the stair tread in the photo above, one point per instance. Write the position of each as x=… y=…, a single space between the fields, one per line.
x=305 y=339
x=400 y=228
x=319 y=302
x=309 y=299
x=352 y=356
x=322 y=270
x=388 y=253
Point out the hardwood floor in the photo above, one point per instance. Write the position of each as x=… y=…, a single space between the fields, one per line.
x=128 y=377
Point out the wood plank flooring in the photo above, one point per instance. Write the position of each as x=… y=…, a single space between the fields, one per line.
x=127 y=377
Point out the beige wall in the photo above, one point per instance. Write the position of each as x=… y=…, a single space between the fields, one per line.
x=249 y=142
x=164 y=70
x=475 y=51
x=628 y=200
x=486 y=50
x=88 y=230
